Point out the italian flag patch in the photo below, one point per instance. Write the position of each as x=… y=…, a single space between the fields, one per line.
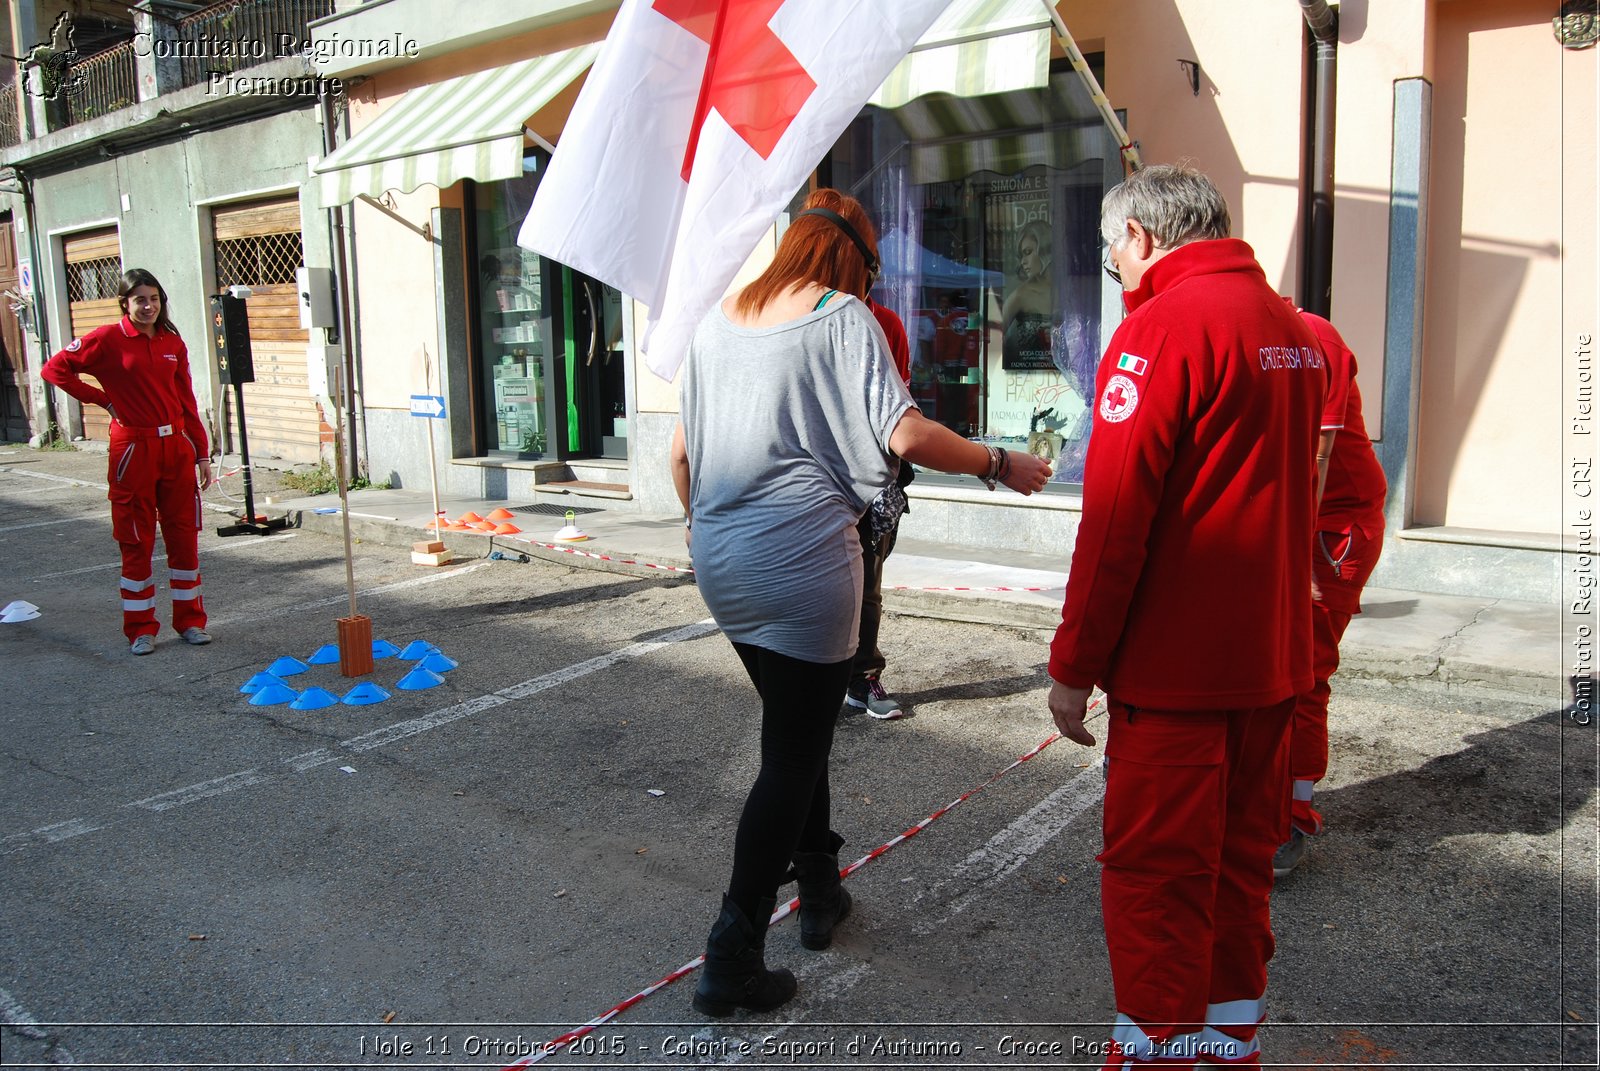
x=1129 y=363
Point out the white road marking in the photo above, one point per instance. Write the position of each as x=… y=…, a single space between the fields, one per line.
x=47 y=524
x=332 y=600
x=404 y=730
x=16 y=1016
x=162 y=557
x=55 y=479
x=1008 y=850
x=214 y=507
x=217 y=786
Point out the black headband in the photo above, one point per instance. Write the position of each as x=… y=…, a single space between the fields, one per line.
x=843 y=224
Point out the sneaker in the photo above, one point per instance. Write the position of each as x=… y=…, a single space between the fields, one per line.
x=196 y=635
x=143 y=645
x=1289 y=854
x=869 y=695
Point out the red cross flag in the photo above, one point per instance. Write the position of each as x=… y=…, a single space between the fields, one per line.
x=698 y=124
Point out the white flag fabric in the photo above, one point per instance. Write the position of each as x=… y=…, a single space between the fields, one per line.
x=698 y=124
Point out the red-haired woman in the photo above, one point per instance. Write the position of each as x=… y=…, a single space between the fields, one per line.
x=794 y=418
x=160 y=457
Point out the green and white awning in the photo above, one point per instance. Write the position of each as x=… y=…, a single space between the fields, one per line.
x=462 y=128
x=977 y=47
x=951 y=137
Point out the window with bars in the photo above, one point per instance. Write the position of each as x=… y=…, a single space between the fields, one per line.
x=259 y=260
x=94 y=280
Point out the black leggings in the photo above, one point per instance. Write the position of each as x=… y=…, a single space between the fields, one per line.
x=788 y=806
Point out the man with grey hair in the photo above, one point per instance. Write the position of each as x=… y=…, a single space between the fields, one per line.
x=1189 y=603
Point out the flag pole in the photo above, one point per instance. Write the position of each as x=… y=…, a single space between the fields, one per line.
x=1130 y=152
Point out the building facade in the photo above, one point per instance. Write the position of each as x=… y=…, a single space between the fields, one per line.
x=174 y=139
x=1461 y=135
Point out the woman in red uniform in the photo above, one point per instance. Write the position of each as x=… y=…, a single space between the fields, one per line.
x=157 y=445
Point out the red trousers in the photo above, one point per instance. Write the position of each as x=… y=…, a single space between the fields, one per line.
x=152 y=480
x=1341 y=560
x=1194 y=810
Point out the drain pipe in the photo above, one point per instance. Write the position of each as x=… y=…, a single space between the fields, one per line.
x=41 y=319
x=1316 y=214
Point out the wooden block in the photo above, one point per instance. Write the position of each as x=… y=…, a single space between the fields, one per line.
x=427 y=546
x=355 y=645
x=439 y=557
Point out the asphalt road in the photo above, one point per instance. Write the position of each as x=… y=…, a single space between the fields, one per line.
x=192 y=881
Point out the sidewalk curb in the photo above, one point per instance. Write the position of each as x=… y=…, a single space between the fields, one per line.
x=1370 y=661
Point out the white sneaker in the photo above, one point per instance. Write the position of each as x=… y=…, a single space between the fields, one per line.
x=196 y=635
x=143 y=645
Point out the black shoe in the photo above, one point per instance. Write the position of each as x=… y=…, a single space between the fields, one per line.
x=735 y=975
x=824 y=901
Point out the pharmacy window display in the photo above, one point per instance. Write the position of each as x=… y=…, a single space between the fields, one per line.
x=512 y=322
x=988 y=216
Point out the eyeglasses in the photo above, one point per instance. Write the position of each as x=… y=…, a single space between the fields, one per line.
x=1111 y=269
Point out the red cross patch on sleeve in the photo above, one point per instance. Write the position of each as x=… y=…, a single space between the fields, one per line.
x=1118 y=400
x=75 y=345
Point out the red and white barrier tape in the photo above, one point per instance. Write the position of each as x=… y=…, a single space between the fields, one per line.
x=783 y=911
x=564 y=549
x=603 y=557
x=910 y=587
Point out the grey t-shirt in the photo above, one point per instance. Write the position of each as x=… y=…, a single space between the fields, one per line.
x=787 y=430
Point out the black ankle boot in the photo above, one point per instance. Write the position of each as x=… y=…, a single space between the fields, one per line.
x=823 y=898
x=735 y=975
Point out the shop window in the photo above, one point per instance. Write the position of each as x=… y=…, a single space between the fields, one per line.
x=512 y=321
x=988 y=212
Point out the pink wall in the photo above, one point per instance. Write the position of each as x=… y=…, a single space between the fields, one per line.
x=1493 y=352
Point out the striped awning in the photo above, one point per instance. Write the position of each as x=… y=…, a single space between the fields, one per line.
x=977 y=47
x=951 y=137
x=462 y=128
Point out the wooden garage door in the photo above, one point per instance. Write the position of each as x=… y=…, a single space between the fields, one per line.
x=258 y=245
x=94 y=271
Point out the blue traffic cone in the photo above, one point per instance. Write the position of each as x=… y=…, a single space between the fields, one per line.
x=438 y=663
x=327 y=655
x=271 y=695
x=260 y=681
x=314 y=699
x=384 y=649
x=365 y=695
x=287 y=667
x=418 y=649
x=419 y=679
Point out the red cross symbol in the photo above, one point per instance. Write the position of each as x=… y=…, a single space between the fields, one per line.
x=1116 y=399
x=751 y=79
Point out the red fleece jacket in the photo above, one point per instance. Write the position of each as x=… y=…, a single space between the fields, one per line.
x=1190 y=586
x=144 y=382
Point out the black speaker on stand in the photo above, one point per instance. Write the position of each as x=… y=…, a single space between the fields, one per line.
x=230 y=347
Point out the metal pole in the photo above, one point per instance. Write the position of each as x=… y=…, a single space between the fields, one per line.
x=244 y=456
x=344 y=487
x=1324 y=26
x=433 y=468
x=1130 y=152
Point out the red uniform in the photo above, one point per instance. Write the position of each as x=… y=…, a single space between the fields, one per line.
x=1189 y=602
x=895 y=332
x=156 y=440
x=1344 y=551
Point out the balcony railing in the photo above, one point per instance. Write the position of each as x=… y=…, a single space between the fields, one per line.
x=100 y=84
x=239 y=34
x=10 y=115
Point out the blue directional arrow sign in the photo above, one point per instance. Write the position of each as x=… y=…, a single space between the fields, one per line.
x=427 y=405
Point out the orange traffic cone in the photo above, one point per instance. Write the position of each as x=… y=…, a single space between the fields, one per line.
x=507 y=529
x=469 y=517
x=501 y=514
